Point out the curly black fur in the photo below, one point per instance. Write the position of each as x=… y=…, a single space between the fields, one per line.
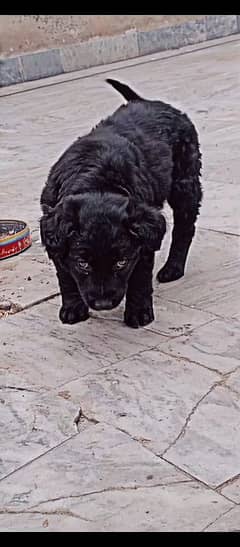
x=102 y=220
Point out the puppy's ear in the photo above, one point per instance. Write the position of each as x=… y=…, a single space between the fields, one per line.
x=56 y=226
x=148 y=225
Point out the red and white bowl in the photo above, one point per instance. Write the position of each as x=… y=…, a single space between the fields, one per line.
x=15 y=238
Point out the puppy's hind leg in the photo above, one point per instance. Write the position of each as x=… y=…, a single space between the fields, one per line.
x=185 y=200
x=73 y=308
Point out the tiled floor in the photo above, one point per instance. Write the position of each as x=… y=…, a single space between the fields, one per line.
x=156 y=443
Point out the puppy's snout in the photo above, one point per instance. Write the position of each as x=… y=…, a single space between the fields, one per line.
x=107 y=301
x=102 y=304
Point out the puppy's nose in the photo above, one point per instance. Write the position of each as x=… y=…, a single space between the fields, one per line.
x=103 y=304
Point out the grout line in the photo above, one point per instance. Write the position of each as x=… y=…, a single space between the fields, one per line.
x=38 y=457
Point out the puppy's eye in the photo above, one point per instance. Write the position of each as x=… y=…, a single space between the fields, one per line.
x=83 y=265
x=121 y=264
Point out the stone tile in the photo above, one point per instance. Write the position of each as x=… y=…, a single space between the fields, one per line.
x=220 y=25
x=99 y=51
x=13 y=522
x=149 y=396
x=41 y=64
x=111 y=325
x=28 y=277
x=41 y=354
x=31 y=423
x=211 y=281
x=228 y=522
x=215 y=291
x=220 y=206
x=10 y=71
x=222 y=167
x=183 y=508
x=234 y=381
x=220 y=161
x=214 y=345
x=212 y=255
x=171 y=319
x=225 y=130
x=27 y=209
x=87 y=464
x=208 y=447
x=79 y=482
x=232 y=490
x=55 y=353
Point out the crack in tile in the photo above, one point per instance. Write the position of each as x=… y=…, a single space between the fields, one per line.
x=190 y=415
x=80 y=417
x=40 y=301
x=109 y=365
x=232 y=390
x=19 y=308
x=196 y=479
x=210 y=352
x=38 y=457
x=189 y=477
x=119 y=488
x=191 y=361
x=224 y=375
x=142 y=442
x=218 y=231
x=187 y=331
x=65 y=513
x=14 y=388
x=233 y=370
x=137 y=354
x=194 y=307
x=216 y=519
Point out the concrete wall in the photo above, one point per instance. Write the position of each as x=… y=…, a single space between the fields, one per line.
x=25 y=33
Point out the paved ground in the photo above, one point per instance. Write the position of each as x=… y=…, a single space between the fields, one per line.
x=156 y=447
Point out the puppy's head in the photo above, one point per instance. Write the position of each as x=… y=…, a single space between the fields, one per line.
x=98 y=239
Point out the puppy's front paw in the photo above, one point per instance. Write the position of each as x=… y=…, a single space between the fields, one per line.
x=71 y=313
x=138 y=317
x=170 y=272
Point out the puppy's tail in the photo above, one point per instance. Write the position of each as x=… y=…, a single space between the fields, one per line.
x=126 y=91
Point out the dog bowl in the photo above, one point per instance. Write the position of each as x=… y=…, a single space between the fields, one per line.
x=15 y=238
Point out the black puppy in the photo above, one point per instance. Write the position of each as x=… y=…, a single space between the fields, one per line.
x=102 y=203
